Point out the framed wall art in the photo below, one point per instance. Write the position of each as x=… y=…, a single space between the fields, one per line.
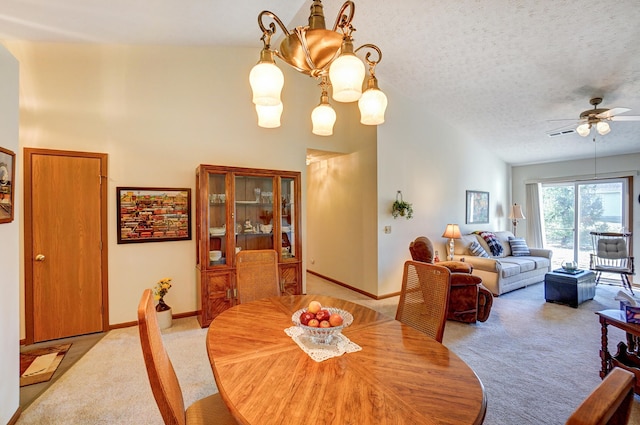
x=7 y=184
x=477 y=207
x=148 y=214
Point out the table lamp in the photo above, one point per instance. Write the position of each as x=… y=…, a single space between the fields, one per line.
x=452 y=232
x=515 y=215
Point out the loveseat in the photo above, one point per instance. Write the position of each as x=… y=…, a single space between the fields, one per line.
x=507 y=270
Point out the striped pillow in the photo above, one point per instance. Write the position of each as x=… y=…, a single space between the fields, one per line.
x=493 y=242
x=519 y=247
x=476 y=249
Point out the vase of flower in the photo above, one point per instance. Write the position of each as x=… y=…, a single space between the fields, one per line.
x=163 y=311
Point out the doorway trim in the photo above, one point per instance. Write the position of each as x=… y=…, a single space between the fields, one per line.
x=28 y=235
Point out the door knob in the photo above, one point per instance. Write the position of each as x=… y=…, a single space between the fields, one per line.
x=39 y=257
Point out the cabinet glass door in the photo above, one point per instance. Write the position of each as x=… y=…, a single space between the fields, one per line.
x=253 y=212
x=217 y=220
x=288 y=218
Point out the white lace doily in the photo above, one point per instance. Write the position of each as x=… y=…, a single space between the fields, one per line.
x=320 y=352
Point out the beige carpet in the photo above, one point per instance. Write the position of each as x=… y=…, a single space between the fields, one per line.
x=536 y=360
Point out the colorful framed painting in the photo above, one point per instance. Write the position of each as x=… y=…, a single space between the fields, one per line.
x=7 y=184
x=148 y=214
x=477 y=207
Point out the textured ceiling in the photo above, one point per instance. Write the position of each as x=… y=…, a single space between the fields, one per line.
x=497 y=70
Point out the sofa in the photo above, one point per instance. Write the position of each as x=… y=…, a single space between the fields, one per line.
x=507 y=270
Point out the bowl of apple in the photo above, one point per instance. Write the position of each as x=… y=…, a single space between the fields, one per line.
x=321 y=324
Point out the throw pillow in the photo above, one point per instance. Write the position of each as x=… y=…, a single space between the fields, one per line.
x=476 y=249
x=494 y=244
x=519 y=247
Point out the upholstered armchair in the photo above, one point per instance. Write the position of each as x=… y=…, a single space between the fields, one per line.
x=469 y=300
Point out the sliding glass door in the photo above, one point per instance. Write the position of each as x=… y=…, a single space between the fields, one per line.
x=571 y=210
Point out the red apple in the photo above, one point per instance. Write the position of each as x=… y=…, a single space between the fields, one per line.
x=323 y=315
x=325 y=324
x=314 y=323
x=305 y=317
x=335 y=319
x=314 y=307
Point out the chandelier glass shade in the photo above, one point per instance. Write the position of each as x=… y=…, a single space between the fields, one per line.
x=269 y=116
x=326 y=55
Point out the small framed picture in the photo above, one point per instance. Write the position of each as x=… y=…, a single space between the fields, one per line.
x=147 y=214
x=7 y=184
x=477 y=207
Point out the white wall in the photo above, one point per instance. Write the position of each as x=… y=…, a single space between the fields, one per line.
x=584 y=168
x=158 y=112
x=434 y=165
x=10 y=247
x=431 y=163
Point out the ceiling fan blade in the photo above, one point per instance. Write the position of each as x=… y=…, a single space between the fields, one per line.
x=611 y=112
x=625 y=118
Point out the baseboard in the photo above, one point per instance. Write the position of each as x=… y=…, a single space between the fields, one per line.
x=15 y=417
x=360 y=291
x=129 y=324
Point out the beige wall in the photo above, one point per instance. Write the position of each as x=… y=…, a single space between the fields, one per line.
x=158 y=112
x=341 y=199
x=619 y=165
x=431 y=163
x=10 y=247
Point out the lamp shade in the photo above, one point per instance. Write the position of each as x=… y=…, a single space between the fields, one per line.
x=347 y=74
x=323 y=117
x=583 y=129
x=269 y=116
x=603 y=128
x=266 y=81
x=516 y=212
x=452 y=232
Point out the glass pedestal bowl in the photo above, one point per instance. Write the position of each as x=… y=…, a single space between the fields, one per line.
x=323 y=335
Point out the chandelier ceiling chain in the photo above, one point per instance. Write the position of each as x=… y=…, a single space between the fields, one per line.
x=326 y=55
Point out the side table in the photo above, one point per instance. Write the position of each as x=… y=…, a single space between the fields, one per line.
x=569 y=288
x=628 y=355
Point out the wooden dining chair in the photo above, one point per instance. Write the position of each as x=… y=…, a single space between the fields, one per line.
x=257 y=275
x=424 y=298
x=609 y=403
x=164 y=381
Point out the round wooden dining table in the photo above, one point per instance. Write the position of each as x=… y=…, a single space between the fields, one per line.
x=401 y=376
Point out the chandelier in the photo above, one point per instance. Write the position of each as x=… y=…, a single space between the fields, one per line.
x=326 y=55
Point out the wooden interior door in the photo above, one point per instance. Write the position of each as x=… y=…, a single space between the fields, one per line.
x=65 y=244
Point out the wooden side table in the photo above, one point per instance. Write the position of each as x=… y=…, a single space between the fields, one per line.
x=628 y=355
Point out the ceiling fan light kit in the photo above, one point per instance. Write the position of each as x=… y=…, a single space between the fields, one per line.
x=596 y=117
x=326 y=55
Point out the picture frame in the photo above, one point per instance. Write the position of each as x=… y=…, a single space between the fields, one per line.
x=477 y=207
x=7 y=184
x=150 y=214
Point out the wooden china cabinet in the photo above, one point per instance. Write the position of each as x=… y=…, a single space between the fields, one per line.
x=244 y=208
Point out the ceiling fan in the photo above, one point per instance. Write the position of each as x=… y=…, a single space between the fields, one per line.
x=596 y=117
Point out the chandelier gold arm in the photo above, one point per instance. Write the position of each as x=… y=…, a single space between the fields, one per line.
x=372 y=63
x=344 y=21
x=268 y=33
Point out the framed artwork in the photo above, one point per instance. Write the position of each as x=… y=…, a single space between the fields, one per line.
x=477 y=207
x=149 y=214
x=7 y=184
